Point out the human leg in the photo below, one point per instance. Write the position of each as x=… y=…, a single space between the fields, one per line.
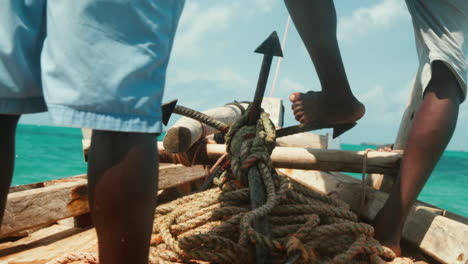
x=316 y=23
x=7 y=156
x=432 y=129
x=120 y=99
x=440 y=30
x=122 y=174
x=21 y=35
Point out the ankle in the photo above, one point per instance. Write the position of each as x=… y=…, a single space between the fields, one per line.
x=388 y=227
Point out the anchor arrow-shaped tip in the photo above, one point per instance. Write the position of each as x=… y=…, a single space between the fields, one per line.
x=167 y=110
x=271 y=46
x=339 y=130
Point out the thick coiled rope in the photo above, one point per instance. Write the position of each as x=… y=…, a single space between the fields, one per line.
x=215 y=226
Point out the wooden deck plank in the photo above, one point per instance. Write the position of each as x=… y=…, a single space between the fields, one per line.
x=35 y=207
x=56 y=241
x=49 y=243
x=36 y=185
x=44 y=206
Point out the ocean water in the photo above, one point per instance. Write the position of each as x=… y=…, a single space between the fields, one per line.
x=45 y=153
x=448 y=185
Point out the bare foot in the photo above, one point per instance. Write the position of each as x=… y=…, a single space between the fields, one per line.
x=385 y=148
x=313 y=107
x=388 y=148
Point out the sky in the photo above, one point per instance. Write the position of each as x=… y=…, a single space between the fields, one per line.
x=213 y=62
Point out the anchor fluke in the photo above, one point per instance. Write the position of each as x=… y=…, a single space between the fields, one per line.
x=167 y=110
x=339 y=130
x=271 y=46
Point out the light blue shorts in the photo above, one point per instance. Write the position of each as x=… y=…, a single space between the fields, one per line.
x=98 y=64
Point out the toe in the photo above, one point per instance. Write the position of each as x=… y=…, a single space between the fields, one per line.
x=298 y=109
x=297 y=105
x=295 y=97
x=302 y=120
x=299 y=116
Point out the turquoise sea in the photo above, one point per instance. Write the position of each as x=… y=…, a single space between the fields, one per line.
x=46 y=153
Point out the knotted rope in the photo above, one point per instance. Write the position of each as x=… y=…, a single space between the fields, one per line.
x=215 y=226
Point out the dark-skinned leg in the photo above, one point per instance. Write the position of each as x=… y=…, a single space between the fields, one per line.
x=122 y=174
x=432 y=129
x=7 y=156
x=316 y=21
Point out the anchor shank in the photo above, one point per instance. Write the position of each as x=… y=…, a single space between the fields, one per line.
x=254 y=113
x=257 y=199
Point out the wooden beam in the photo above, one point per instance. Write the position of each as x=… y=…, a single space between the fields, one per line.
x=305 y=159
x=440 y=237
x=303 y=140
x=186 y=131
x=46 y=183
x=174 y=175
x=35 y=207
x=48 y=244
x=68 y=198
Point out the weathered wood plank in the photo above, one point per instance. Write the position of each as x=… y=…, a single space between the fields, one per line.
x=440 y=237
x=57 y=241
x=48 y=244
x=42 y=206
x=306 y=159
x=46 y=183
x=35 y=207
x=174 y=175
x=303 y=140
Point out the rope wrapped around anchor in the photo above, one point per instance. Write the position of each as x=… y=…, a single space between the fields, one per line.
x=215 y=226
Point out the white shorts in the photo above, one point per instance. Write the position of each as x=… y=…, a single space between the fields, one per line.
x=441 y=29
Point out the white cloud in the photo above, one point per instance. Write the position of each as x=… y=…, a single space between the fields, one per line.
x=218 y=75
x=203 y=90
x=196 y=22
x=384 y=106
x=370 y=19
x=261 y=6
x=372 y=95
x=463 y=115
x=200 y=19
x=287 y=86
x=228 y=75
